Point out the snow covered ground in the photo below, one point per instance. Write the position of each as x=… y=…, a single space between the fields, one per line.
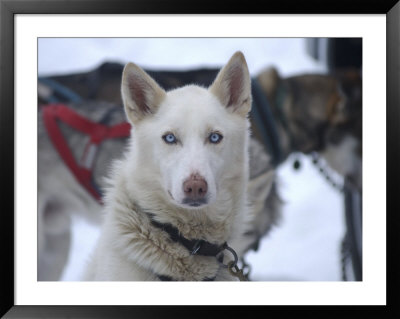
x=306 y=245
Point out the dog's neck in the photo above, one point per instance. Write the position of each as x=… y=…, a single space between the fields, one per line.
x=194 y=246
x=282 y=105
x=272 y=105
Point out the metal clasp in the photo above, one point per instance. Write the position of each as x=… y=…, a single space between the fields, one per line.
x=233 y=267
x=196 y=247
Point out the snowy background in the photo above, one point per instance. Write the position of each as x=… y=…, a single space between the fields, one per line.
x=306 y=244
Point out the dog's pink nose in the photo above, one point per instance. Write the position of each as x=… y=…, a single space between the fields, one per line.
x=195 y=187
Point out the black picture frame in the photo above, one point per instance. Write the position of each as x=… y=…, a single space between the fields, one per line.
x=8 y=10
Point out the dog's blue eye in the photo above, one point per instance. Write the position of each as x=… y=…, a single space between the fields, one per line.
x=215 y=138
x=169 y=138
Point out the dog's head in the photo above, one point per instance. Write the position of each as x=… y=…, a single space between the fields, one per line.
x=310 y=103
x=189 y=140
x=323 y=112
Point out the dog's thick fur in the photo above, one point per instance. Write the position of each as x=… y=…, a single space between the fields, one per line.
x=149 y=182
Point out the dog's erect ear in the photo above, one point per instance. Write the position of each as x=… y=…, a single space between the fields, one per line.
x=269 y=80
x=232 y=86
x=140 y=93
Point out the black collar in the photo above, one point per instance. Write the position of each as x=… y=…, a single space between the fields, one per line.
x=198 y=247
x=194 y=246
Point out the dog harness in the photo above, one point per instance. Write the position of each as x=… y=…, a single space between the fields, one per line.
x=53 y=114
x=262 y=115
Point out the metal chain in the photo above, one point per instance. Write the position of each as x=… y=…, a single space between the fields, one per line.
x=235 y=271
x=233 y=268
x=325 y=173
x=246 y=268
x=345 y=256
x=344 y=251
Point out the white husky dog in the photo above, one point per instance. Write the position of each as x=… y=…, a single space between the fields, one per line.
x=178 y=196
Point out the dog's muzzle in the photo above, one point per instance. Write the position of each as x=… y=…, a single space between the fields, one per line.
x=195 y=189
